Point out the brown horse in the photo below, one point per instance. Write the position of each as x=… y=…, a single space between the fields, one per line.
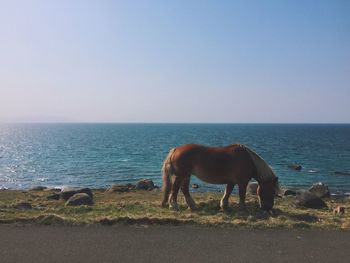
x=231 y=165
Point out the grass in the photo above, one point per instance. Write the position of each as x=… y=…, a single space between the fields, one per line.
x=143 y=207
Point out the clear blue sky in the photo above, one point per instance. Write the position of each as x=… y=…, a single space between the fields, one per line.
x=175 y=61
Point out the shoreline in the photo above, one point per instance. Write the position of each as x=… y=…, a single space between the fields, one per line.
x=197 y=189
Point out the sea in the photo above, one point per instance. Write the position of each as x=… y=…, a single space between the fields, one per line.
x=99 y=155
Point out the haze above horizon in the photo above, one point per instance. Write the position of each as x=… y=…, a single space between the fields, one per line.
x=175 y=62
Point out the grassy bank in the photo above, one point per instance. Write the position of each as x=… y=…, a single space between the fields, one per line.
x=143 y=207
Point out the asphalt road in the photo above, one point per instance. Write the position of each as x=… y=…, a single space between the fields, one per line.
x=169 y=244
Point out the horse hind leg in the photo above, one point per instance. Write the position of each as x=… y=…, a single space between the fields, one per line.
x=224 y=199
x=185 y=190
x=175 y=187
x=166 y=191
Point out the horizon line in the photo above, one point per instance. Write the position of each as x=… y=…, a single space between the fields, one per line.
x=131 y=122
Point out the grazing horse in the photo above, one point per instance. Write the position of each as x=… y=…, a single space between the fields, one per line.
x=230 y=165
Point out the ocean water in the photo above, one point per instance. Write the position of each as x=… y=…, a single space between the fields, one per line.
x=99 y=155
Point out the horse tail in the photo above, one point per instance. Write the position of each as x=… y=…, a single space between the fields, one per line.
x=167 y=172
x=263 y=170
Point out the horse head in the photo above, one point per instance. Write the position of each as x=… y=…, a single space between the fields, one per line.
x=267 y=191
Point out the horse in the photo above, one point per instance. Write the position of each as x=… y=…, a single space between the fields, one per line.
x=230 y=165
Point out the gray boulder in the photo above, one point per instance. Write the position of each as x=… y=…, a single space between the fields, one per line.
x=79 y=199
x=320 y=190
x=309 y=200
x=252 y=188
x=145 y=184
x=67 y=193
x=120 y=188
x=296 y=167
x=341 y=173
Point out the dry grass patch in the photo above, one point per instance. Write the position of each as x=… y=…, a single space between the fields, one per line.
x=143 y=207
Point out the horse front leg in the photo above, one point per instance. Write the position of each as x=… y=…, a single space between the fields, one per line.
x=242 y=191
x=185 y=190
x=224 y=199
x=174 y=191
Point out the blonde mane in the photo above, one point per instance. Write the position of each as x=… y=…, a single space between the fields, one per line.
x=263 y=170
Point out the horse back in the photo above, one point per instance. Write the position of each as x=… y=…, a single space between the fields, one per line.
x=214 y=164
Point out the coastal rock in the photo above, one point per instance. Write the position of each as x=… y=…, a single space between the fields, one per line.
x=79 y=199
x=341 y=173
x=145 y=184
x=296 y=167
x=23 y=205
x=289 y=192
x=309 y=200
x=120 y=188
x=252 y=188
x=67 y=193
x=320 y=190
x=38 y=188
x=195 y=186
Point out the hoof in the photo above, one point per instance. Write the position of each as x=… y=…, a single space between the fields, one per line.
x=242 y=208
x=225 y=209
x=272 y=213
x=193 y=208
x=165 y=204
x=174 y=207
x=223 y=205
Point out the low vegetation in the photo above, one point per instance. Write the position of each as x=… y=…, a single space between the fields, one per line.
x=143 y=207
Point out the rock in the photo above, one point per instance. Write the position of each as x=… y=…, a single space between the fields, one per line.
x=252 y=188
x=67 y=193
x=119 y=188
x=340 y=210
x=309 y=200
x=320 y=190
x=289 y=192
x=53 y=196
x=195 y=186
x=79 y=199
x=38 y=188
x=341 y=173
x=145 y=184
x=296 y=167
x=23 y=205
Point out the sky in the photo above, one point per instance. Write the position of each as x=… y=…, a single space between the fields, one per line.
x=175 y=61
